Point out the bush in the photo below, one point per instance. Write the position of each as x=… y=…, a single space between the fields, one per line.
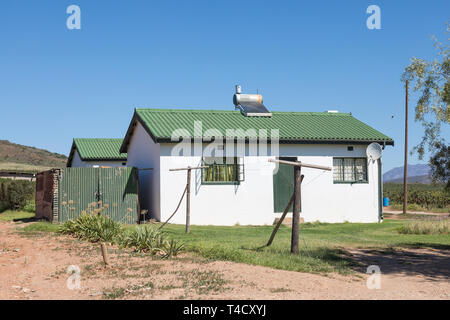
x=15 y=194
x=150 y=240
x=3 y=206
x=94 y=228
x=30 y=206
x=426 y=227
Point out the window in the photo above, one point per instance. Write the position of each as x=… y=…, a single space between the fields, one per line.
x=349 y=170
x=222 y=170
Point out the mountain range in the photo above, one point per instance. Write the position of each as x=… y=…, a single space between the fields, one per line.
x=417 y=173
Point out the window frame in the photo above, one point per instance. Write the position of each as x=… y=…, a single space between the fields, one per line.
x=366 y=181
x=238 y=168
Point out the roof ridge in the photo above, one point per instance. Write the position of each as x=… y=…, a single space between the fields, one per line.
x=98 y=138
x=238 y=111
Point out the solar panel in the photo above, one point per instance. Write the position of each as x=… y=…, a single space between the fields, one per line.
x=255 y=109
x=250 y=104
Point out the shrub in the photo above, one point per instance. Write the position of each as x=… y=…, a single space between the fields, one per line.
x=148 y=239
x=3 y=206
x=94 y=228
x=426 y=227
x=14 y=194
x=30 y=207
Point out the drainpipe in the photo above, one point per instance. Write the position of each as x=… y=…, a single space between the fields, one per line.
x=380 y=193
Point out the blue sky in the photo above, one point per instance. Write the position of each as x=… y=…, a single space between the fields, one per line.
x=56 y=84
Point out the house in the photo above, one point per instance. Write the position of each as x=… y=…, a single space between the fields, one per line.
x=240 y=185
x=96 y=153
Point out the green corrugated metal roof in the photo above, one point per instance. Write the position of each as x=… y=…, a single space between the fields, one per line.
x=292 y=126
x=91 y=149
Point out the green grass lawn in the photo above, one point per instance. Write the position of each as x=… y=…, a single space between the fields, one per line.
x=322 y=246
x=23 y=216
x=11 y=215
x=415 y=207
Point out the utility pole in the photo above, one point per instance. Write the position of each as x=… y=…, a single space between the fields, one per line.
x=405 y=173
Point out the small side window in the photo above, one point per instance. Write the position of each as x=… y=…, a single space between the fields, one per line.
x=350 y=170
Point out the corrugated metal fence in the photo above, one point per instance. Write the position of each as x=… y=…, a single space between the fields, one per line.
x=109 y=191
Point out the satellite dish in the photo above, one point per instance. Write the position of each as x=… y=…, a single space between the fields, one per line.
x=374 y=151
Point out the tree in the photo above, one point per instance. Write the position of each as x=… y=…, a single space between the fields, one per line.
x=431 y=79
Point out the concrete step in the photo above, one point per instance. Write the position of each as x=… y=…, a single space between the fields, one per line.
x=287 y=221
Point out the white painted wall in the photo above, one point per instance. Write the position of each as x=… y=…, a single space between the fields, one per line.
x=77 y=162
x=324 y=201
x=143 y=153
x=250 y=202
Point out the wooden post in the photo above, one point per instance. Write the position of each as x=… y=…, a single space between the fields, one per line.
x=188 y=196
x=405 y=171
x=297 y=197
x=188 y=201
x=272 y=236
x=296 y=212
x=104 y=254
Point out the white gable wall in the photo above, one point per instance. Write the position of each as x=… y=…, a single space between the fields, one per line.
x=77 y=162
x=143 y=153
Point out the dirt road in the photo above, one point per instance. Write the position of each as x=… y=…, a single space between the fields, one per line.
x=35 y=267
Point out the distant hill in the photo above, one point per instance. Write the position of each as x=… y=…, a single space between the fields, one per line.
x=16 y=157
x=417 y=173
x=426 y=179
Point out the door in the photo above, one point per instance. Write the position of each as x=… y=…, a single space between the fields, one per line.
x=283 y=185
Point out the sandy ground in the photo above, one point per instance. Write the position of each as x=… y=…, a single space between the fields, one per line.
x=35 y=267
x=419 y=213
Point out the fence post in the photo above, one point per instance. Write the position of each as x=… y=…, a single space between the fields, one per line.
x=296 y=211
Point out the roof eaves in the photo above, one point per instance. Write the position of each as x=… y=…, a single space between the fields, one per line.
x=71 y=154
x=302 y=141
x=130 y=130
